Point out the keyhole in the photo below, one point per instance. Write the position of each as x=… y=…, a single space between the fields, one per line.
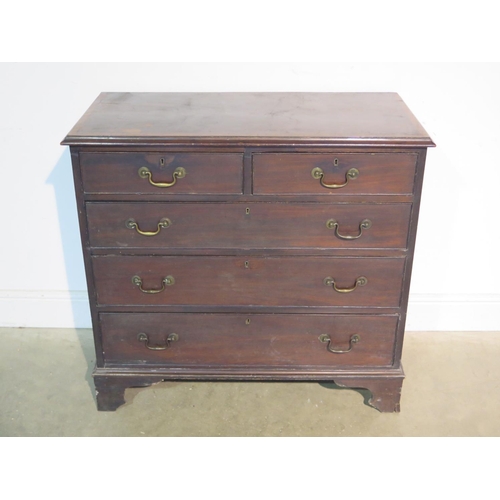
x=247 y=321
x=336 y=162
x=247 y=264
x=247 y=210
x=162 y=162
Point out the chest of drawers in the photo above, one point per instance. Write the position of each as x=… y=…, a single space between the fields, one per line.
x=248 y=236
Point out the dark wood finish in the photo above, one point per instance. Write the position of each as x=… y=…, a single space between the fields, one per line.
x=256 y=151
x=377 y=119
x=290 y=173
x=231 y=309
x=89 y=275
x=206 y=173
x=230 y=340
x=405 y=292
x=384 y=384
x=268 y=281
x=249 y=198
x=110 y=391
x=265 y=226
x=386 y=391
x=247 y=252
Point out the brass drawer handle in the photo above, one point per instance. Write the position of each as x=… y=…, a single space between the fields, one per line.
x=167 y=281
x=132 y=224
x=142 y=337
x=364 y=224
x=326 y=338
x=351 y=174
x=361 y=281
x=179 y=173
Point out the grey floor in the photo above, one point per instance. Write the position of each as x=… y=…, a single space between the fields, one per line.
x=452 y=388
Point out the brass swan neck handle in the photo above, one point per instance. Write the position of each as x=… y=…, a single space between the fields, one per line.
x=361 y=281
x=178 y=173
x=167 y=281
x=143 y=337
x=163 y=223
x=326 y=338
x=333 y=224
x=351 y=174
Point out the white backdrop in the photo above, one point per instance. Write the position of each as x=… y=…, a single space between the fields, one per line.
x=455 y=284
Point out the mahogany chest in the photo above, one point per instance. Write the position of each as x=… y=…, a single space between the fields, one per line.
x=248 y=236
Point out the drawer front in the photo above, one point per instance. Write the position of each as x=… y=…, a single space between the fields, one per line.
x=240 y=281
x=236 y=225
x=362 y=173
x=248 y=340
x=193 y=173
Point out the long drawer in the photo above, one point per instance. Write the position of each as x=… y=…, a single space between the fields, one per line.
x=162 y=173
x=248 y=340
x=248 y=225
x=331 y=174
x=240 y=281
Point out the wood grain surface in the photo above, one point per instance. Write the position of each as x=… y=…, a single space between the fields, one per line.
x=206 y=173
x=250 y=225
x=263 y=340
x=290 y=173
x=249 y=118
x=267 y=281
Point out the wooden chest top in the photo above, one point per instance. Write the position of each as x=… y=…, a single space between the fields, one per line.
x=287 y=118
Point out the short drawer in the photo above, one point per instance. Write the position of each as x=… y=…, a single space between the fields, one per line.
x=251 y=225
x=317 y=174
x=250 y=281
x=161 y=173
x=257 y=340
